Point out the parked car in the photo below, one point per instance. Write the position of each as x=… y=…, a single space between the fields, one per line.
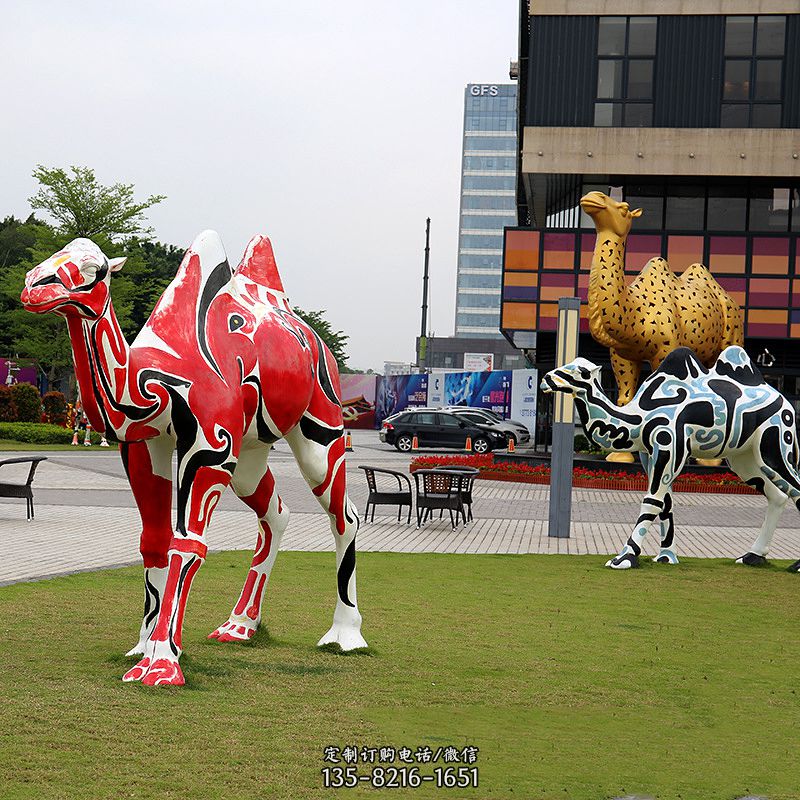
x=481 y=416
x=438 y=429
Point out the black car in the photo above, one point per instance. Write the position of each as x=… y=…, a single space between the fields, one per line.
x=438 y=429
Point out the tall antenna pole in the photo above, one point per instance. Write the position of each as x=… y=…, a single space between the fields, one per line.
x=423 y=342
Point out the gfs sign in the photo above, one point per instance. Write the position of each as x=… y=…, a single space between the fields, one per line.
x=483 y=90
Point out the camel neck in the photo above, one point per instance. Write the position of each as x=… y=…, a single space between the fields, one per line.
x=606 y=286
x=101 y=356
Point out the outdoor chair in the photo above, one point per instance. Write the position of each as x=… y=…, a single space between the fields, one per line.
x=439 y=489
x=469 y=474
x=380 y=497
x=22 y=489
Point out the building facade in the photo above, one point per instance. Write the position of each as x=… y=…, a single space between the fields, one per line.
x=488 y=204
x=693 y=117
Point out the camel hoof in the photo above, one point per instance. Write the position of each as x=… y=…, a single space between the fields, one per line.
x=624 y=561
x=666 y=557
x=752 y=560
x=794 y=567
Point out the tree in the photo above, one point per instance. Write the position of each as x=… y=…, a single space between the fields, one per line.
x=81 y=206
x=336 y=340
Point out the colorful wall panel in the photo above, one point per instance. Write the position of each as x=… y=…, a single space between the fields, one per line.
x=761 y=272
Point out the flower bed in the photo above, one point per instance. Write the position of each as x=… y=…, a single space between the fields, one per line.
x=583 y=478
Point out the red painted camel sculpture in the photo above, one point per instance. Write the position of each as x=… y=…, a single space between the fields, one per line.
x=220 y=372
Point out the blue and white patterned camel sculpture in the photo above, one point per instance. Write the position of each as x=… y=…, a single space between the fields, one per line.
x=682 y=410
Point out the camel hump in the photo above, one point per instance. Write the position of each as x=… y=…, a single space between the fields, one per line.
x=732 y=318
x=211 y=256
x=683 y=364
x=733 y=362
x=258 y=264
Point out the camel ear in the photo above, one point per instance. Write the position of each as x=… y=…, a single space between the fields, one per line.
x=636 y=213
x=116 y=264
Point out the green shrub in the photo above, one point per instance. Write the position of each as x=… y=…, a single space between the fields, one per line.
x=28 y=402
x=8 y=408
x=55 y=408
x=40 y=433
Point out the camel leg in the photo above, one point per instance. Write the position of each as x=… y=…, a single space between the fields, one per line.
x=319 y=451
x=148 y=466
x=203 y=474
x=627 y=374
x=664 y=467
x=254 y=484
x=667 y=553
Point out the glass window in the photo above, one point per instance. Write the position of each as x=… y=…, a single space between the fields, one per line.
x=609 y=78
x=608 y=114
x=735 y=115
x=638 y=115
x=421 y=418
x=795 y=196
x=769 y=209
x=771 y=36
x=651 y=200
x=685 y=207
x=727 y=208
x=642 y=36
x=766 y=116
x=768 y=79
x=479 y=281
x=739 y=36
x=640 y=79
x=737 y=80
x=611 y=36
x=447 y=420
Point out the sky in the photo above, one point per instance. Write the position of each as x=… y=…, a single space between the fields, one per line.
x=333 y=128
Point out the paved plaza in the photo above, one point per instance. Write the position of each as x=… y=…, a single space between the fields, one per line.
x=86 y=518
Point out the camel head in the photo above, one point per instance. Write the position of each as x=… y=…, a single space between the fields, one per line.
x=575 y=378
x=73 y=282
x=608 y=214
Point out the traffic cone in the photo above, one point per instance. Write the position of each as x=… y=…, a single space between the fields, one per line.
x=511 y=446
x=415 y=443
x=348 y=442
x=468 y=444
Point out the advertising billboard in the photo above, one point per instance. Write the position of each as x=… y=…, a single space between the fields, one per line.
x=524 y=386
x=490 y=390
x=478 y=362
x=399 y=392
x=359 y=393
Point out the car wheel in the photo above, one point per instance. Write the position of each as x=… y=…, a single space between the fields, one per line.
x=481 y=445
x=403 y=443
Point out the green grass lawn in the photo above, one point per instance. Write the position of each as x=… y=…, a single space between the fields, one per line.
x=574 y=681
x=7 y=445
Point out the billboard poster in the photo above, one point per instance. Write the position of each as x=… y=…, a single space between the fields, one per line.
x=524 y=387
x=490 y=390
x=399 y=392
x=13 y=371
x=436 y=388
x=359 y=393
x=478 y=362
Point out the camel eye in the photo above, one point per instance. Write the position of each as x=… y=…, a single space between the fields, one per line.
x=235 y=322
x=584 y=373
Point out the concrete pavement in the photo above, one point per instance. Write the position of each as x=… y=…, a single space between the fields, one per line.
x=86 y=518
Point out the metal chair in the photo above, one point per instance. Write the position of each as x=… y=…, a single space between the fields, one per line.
x=401 y=497
x=22 y=490
x=469 y=474
x=439 y=489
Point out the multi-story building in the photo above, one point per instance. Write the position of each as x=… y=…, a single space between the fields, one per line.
x=488 y=190
x=689 y=111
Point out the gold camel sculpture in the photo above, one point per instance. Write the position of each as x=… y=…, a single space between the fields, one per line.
x=659 y=311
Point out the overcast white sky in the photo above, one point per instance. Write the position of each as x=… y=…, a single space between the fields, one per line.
x=333 y=128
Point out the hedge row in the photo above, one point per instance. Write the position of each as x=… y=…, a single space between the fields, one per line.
x=40 y=433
